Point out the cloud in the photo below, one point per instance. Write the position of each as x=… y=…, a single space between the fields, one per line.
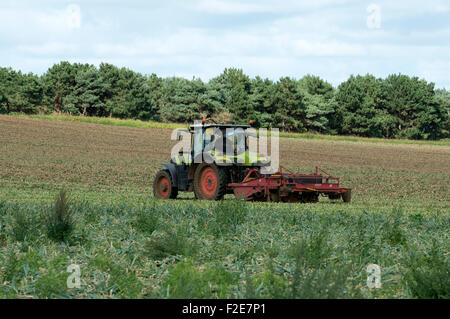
x=73 y=16
x=231 y=7
x=29 y=24
x=201 y=38
x=50 y=48
x=262 y=6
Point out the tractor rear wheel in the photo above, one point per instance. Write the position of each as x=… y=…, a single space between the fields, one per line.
x=162 y=186
x=210 y=182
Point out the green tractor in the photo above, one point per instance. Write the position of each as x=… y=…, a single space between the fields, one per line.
x=207 y=170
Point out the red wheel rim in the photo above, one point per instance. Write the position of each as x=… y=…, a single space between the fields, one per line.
x=209 y=181
x=163 y=187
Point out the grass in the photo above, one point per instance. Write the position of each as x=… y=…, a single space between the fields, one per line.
x=128 y=245
x=443 y=142
x=104 y=121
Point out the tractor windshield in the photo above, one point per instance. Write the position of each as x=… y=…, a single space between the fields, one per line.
x=236 y=141
x=231 y=141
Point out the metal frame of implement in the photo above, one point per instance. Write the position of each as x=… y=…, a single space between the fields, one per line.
x=286 y=186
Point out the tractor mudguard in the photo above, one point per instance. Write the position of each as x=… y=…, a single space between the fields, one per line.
x=173 y=173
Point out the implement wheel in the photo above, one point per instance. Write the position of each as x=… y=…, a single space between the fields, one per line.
x=310 y=197
x=347 y=196
x=162 y=186
x=209 y=182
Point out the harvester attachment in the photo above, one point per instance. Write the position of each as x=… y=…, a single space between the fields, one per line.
x=286 y=186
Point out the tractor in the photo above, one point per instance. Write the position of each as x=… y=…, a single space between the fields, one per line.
x=211 y=171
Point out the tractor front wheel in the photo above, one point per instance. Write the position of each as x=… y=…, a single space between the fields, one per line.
x=162 y=186
x=210 y=182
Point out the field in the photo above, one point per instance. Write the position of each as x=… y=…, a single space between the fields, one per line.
x=130 y=246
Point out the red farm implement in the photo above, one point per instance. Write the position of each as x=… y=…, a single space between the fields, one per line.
x=286 y=186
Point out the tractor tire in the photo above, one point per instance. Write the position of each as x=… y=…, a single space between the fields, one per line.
x=347 y=196
x=162 y=186
x=210 y=182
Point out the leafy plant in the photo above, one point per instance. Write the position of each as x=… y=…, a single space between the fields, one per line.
x=59 y=221
x=23 y=226
x=315 y=275
x=11 y=269
x=428 y=276
x=170 y=243
x=392 y=230
x=146 y=221
x=185 y=280
x=228 y=215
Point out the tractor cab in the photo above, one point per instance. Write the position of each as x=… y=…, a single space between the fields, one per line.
x=217 y=140
x=224 y=145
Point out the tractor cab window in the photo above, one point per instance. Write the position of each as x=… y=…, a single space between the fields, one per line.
x=212 y=140
x=209 y=140
x=236 y=141
x=198 y=143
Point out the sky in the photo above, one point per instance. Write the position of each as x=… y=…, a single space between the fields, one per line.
x=199 y=38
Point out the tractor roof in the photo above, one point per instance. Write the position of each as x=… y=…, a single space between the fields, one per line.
x=219 y=126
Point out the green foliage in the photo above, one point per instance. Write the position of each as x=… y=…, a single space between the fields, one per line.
x=59 y=221
x=172 y=242
x=288 y=102
x=60 y=81
x=428 y=275
x=186 y=281
x=392 y=229
x=146 y=221
x=52 y=284
x=278 y=252
x=23 y=226
x=358 y=102
x=3 y=237
x=183 y=100
x=12 y=267
x=268 y=283
x=19 y=92
x=396 y=107
x=320 y=104
x=228 y=215
x=120 y=280
x=233 y=88
x=316 y=274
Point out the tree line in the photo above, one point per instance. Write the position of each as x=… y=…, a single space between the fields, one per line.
x=398 y=106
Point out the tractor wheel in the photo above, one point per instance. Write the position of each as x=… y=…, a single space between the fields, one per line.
x=210 y=182
x=162 y=186
x=347 y=196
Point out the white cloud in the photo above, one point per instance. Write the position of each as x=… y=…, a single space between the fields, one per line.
x=73 y=16
x=29 y=22
x=230 y=7
x=262 y=6
x=265 y=37
x=49 y=48
x=435 y=71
